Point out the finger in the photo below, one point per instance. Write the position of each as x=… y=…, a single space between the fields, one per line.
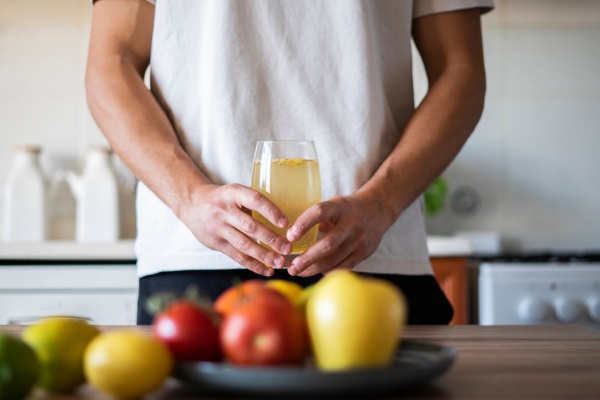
x=326 y=226
x=348 y=263
x=249 y=247
x=246 y=261
x=256 y=201
x=329 y=249
x=254 y=229
x=318 y=213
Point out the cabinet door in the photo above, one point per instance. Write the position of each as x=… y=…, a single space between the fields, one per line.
x=451 y=274
x=102 y=308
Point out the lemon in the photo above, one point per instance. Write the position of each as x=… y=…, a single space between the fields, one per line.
x=292 y=291
x=19 y=368
x=127 y=364
x=59 y=344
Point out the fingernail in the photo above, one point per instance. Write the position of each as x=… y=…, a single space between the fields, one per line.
x=286 y=248
x=292 y=271
x=282 y=222
x=268 y=272
x=279 y=262
x=291 y=234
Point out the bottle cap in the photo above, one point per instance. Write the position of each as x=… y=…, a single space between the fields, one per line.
x=28 y=148
x=100 y=148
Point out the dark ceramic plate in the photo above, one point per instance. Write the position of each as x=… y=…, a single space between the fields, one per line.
x=414 y=363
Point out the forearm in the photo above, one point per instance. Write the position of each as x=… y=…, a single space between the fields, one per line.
x=431 y=140
x=451 y=47
x=140 y=133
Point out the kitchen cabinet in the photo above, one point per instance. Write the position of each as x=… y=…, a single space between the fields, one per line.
x=103 y=293
x=97 y=281
x=449 y=257
x=451 y=274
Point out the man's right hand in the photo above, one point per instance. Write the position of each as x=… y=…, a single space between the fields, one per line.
x=220 y=218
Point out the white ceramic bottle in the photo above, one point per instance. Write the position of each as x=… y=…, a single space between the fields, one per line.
x=97 y=195
x=25 y=198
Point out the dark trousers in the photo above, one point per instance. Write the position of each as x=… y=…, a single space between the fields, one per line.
x=427 y=304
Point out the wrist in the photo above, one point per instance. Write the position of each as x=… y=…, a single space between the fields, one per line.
x=190 y=196
x=384 y=207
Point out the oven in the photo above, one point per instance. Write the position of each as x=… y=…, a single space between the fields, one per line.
x=542 y=288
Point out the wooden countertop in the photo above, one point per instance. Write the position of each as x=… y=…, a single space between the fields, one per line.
x=493 y=362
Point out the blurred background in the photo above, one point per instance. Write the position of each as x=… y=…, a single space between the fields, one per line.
x=529 y=175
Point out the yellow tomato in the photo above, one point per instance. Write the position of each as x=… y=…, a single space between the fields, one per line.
x=291 y=290
x=354 y=322
x=127 y=364
x=303 y=299
x=59 y=344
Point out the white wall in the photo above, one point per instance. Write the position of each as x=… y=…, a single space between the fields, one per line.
x=533 y=160
x=43 y=49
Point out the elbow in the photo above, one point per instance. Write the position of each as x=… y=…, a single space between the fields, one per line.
x=479 y=88
x=474 y=88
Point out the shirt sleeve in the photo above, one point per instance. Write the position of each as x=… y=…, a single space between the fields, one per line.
x=422 y=8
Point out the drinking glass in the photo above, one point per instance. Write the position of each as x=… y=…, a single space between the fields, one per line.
x=287 y=172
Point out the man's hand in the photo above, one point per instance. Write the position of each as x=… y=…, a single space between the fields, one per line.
x=219 y=217
x=353 y=228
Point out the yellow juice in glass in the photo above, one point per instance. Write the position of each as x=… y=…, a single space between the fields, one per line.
x=294 y=185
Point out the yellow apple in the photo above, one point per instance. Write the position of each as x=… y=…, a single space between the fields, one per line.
x=354 y=322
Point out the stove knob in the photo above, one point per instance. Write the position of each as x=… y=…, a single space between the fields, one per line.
x=593 y=304
x=568 y=310
x=534 y=310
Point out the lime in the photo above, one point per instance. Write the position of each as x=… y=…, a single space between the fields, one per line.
x=127 y=364
x=59 y=344
x=19 y=368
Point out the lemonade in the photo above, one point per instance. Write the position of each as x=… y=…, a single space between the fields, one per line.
x=294 y=185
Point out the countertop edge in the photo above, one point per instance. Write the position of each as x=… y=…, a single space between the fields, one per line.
x=438 y=246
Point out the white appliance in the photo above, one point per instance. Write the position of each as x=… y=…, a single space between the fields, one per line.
x=541 y=289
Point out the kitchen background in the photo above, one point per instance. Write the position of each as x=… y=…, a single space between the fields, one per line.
x=530 y=173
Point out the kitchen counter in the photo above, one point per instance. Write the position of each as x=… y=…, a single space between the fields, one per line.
x=439 y=246
x=493 y=362
x=68 y=250
x=62 y=273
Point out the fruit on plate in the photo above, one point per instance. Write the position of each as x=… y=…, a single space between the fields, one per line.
x=291 y=290
x=127 y=364
x=242 y=293
x=265 y=332
x=19 y=368
x=303 y=299
x=59 y=343
x=190 y=331
x=354 y=322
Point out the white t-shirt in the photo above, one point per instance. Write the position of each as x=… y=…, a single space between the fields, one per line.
x=338 y=72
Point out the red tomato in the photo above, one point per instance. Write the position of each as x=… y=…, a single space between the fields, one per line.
x=265 y=332
x=190 y=332
x=247 y=291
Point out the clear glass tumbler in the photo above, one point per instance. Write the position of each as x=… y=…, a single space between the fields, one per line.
x=287 y=172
